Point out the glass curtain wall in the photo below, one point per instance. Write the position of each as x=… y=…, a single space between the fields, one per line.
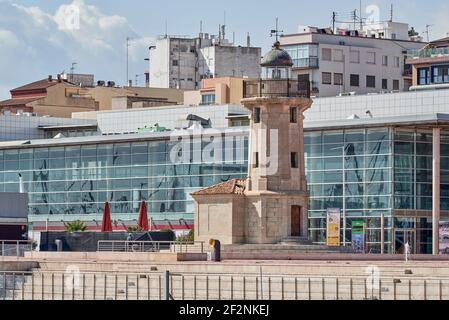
x=413 y=182
x=73 y=182
x=354 y=166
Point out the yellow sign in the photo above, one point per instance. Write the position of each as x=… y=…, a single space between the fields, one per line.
x=333 y=228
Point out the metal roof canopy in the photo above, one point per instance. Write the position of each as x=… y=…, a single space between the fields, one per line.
x=440 y=120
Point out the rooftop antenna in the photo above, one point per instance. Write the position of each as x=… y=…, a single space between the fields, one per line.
x=354 y=16
x=428 y=31
x=334 y=19
x=166 y=28
x=72 y=70
x=391 y=13
x=276 y=32
x=361 y=16
x=128 y=44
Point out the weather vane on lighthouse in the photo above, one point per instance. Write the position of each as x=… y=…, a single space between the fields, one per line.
x=276 y=32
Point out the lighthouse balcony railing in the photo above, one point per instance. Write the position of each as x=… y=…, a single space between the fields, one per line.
x=273 y=88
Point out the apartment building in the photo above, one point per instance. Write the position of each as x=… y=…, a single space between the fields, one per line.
x=342 y=62
x=182 y=63
x=430 y=66
x=48 y=97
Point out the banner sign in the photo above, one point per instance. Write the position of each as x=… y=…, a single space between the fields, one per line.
x=333 y=227
x=444 y=237
x=358 y=236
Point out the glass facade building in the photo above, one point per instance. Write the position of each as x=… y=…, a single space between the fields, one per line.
x=68 y=181
x=372 y=172
x=367 y=172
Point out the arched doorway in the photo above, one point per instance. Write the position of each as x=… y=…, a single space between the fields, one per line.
x=296 y=221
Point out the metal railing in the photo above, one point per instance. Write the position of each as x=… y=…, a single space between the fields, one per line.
x=151 y=246
x=158 y=286
x=276 y=88
x=13 y=248
x=427 y=53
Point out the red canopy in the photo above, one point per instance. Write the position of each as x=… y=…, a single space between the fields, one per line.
x=143 y=217
x=106 y=225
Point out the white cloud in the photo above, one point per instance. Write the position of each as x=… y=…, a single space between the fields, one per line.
x=36 y=43
x=8 y=39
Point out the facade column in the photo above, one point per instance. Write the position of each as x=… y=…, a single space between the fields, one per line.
x=382 y=234
x=436 y=178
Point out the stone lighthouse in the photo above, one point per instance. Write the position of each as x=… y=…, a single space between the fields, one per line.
x=270 y=206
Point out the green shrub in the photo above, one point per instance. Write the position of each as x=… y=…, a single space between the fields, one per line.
x=75 y=226
x=134 y=229
x=190 y=237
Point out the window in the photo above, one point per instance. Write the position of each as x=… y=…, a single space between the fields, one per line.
x=423 y=76
x=370 y=81
x=385 y=61
x=303 y=56
x=326 y=54
x=396 y=85
x=354 y=56
x=293 y=115
x=371 y=57
x=397 y=62
x=355 y=80
x=338 y=55
x=208 y=99
x=256 y=159
x=294 y=159
x=175 y=63
x=338 y=79
x=440 y=74
x=384 y=84
x=326 y=78
x=256 y=115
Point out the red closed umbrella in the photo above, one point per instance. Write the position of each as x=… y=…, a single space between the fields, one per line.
x=143 y=217
x=106 y=225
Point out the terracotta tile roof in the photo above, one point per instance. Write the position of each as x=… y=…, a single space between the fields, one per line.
x=41 y=84
x=18 y=102
x=236 y=186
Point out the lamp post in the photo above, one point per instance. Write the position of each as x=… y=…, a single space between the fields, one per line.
x=343 y=149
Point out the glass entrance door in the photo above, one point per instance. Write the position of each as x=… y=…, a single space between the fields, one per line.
x=402 y=236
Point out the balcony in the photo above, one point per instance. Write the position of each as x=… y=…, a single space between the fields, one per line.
x=306 y=63
x=276 y=88
x=427 y=53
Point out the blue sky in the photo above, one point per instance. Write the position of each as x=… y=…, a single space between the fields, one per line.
x=33 y=44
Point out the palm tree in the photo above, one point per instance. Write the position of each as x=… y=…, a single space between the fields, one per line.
x=75 y=226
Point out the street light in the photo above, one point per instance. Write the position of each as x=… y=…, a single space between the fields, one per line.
x=343 y=149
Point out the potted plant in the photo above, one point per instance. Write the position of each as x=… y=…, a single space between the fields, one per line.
x=75 y=226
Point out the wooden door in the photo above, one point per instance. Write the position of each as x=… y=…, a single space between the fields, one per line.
x=296 y=221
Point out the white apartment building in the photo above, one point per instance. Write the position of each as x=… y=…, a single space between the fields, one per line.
x=182 y=63
x=352 y=62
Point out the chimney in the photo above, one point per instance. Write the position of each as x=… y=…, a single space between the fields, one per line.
x=248 y=40
x=50 y=78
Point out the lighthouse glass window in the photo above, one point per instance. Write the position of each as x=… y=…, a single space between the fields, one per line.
x=276 y=73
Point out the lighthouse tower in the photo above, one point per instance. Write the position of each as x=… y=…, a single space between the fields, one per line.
x=270 y=206
x=276 y=184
